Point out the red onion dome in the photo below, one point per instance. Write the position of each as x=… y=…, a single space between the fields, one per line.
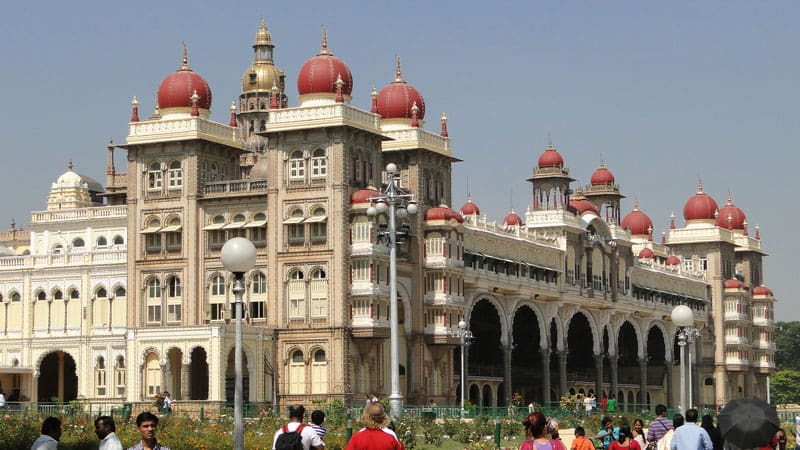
x=646 y=253
x=733 y=284
x=700 y=206
x=177 y=89
x=637 y=222
x=583 y=205
x=602 y=176
x=470 y=208
x=736 y=215
x=512 y=219
x=396 y=99
x=442 y=212
x=363 y=196
x=319 y=74
x=550 y=158
x=762 y=290
x=673 y=261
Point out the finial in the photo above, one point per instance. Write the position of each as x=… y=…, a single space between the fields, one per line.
x=672 y=220
x=744 y=227
x=195 y=98
x=758 y=233
x=185 y=64
x=602 y=162
x=232 y=123
x=663 y=237
x=699 y=185
x=444 y=125
x=730 y=198
x=549 y=141
x=339 y=84
x=134 y=110
x=414 y=112
x=69 y=164
x=324 y=50
x=374 y=95
x=13 y=224
x=398 y=72
x=636 y=203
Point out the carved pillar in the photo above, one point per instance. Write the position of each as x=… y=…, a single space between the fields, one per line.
x=164 y=376
x=598 y=382
x=185 y=377
x=670 y=390
x=545 y=352
x=643 y=381
x=507 y=370
x=562 y=371
x=612 y=363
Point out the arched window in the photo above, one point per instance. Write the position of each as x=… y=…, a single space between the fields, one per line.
x=217 y=300
x=319 y=294
x=120 y=292
x=319 y=373
x=319 y=164
x=258 y=296
x=77 y=243
x=236 y=227
x=152 y=375
x=153 y=237
x=154 y=177
x=173 y=234
x=297 y=166
x=153 y=300
x=216 y=234
x=295 y=227
x=101 y=293
x=118 y=240
x=101 y=241
x=297 y=373
x=74 y=294
x=100 y=376
x=119 y=376
x=58 y=295
x=58 y=248
x=259 y=284
x=318 y=222
x=175 y=175
x=41 y=296
x=258 y=230
x=15 y=297
x=297 y=295
x=174 y=293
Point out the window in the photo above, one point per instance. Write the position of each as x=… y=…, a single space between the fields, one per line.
x=319 y=164
x=100 y=376
x=688 y=265
x=175 y=175
x=319 y=226
x=218 y=286
x=153 y=300
x=119 y=376
x=297 y=166
x=213 y=172
x=101 y=241
x=296 y=227
x=216 y=234
x=120 y=292
x=360 y=270
x=58 y=248
x=174 y=292
x=297 y=373
x=74 y=294
x=41 y=296
x=297 y=295
x=118 y=240
x=77 y=243
x=58 y=295
x=236 y=227
x=259 y=284
x=257 y=309
x=173 y=234
x=15 y=297
x=258 y=230
x=153 y=238
x=217 y=302
x=319 y=373
x=319 y=294
x=154 y=177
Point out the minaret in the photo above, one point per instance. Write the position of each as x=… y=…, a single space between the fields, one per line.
x=550 y=181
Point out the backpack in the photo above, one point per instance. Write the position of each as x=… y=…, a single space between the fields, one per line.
x=290 y=440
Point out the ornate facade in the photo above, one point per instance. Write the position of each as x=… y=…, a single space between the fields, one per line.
x=122 y=295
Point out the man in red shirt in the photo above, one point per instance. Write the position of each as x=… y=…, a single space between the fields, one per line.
x=374 y=435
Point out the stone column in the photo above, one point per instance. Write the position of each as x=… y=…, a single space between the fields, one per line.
x=598 y=382
x=545 y=352
x=165 y=376
x=507 y=371
x=612 y=363
x=643 y=381
x=670 y=391
x=61 y=375
x=562 y=371
x=185 y=377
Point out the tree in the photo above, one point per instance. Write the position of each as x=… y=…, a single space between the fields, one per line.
x=787 y=343
x=783 y=386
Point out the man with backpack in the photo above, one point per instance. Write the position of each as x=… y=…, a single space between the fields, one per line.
x=296 y=435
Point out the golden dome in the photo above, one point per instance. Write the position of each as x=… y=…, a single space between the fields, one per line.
x=262 y=36
x=262 y=74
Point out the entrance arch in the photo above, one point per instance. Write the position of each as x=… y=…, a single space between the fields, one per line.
x=198 y=375
x=230 y=377
x=580 y=345
x=58 y=379
x=526 y=372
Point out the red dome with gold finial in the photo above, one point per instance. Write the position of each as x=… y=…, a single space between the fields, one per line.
x=730 y=216
x=700 y=206
x=582 y=204
x=178 y=88
x=673 y=261
x=320 y=73
x=397 y=99
x=363 y=196
x=442 y=212
x=637 y=222
x=470 y=208
x=733 y=283
x=762 y=290
x=512 y=219
x=646 y=253
x=550 y=158
x=602 y=176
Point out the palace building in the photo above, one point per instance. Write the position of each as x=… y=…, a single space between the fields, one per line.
x=117 y=292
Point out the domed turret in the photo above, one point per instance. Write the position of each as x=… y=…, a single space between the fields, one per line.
x=72 y=190
x=263 y=74
x=733 y=284
x=730 y=216
x=646 y=253
x=550 y=158
x=318 y=76
x=397 y=99
x=636 y=222
x=362 y=197
x=582 y=205
x=700 y=206
x=602 y=176
x=176 y=92
x=512 y=219
x=470 y=208
x=673 y=261
x=442 y=212
x=762 y=291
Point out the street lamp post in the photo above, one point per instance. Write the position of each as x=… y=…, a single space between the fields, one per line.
x=399 y=204
x=683 y=317
x=465 y=336
x=238 y=255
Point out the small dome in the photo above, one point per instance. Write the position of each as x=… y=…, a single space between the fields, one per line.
x=396 y=99
x=736 y=216
x=733 y=284
x=550 y=158
x=673 y=261
x=602 y=176
x=636 y=222
x=470 y=208
x=69 y=178
x=512 y=219
x=177 y=89
x=762 y=290
x=363 y=196
x=646 y=253
x=319 y=74
x=262 y=75
x=700 y=206
x=442 y=212
x=583 y=205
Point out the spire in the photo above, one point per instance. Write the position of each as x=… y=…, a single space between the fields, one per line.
x=398 y=71
x=758 y=233
x=324 y=49
x=444 y=125
x=636 y=203
x=744 y=228
x=339 y=84
x=156 y=111
x=700 y=185
x=13 y=224
x=549 y=141
x=650 y=233
x=663 y=237
x=374 y=95
x=232 y=123
x=414 y=112
x=134 y=110
x=110 y=170
x=672 y=220
x=185 y=64
x=195 y=98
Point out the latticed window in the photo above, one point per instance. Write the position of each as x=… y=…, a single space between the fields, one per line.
x=100 y=376
x=319 y=294
x=297 y=295
x=297 y=166
x=175 y=175
x=318 y=222
x=153 y=300
x=217 y=303
x=154 y=177
x=296 y=227
x=319 y=164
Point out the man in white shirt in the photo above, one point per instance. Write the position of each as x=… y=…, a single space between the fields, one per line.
x=2 y=400
x=105 y=429
x=51 y=433
x=308 y=436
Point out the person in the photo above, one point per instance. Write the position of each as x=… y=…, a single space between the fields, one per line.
x=536 y=434
x=607 y=433
x=555 y=439
x=167 y=402
x=689 y=436
x=659 y=426
x=2 y=400
x=604 y=404
x=51 y=433
x=638 y=434
x=105 y=429
x=666 y=440
x=625 y=440
x=587 y=405
x=780 y=436
x=375 y=435
x=612 y=403
x=580 y=442
x=594 y=402
x=707 y=423
x=146 y=424
x=308 y=436
x=317 y=419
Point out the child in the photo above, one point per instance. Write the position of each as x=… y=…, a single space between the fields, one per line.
x=580 y=442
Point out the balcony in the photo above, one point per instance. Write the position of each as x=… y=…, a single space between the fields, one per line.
x=234 y=188
x=736 y=340
x=442 y=298
x=181 y=129
x=78 y=214
x=368 y=288
x=367 y=248
x=764 y=345
x=763 y=322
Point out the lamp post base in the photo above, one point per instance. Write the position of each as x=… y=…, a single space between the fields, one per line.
x=395 y=406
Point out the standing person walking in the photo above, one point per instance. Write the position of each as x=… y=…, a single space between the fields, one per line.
x=375 y=435
x=146 y=424
x=51 y=433
x=707 y=423
x=105 y=429
x=295 y=434
x=638 y=434
x=689 y=436
x=659 y=426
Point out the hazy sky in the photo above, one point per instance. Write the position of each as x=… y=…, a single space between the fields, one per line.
x=664 y=92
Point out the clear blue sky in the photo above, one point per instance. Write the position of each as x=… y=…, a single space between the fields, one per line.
x=664 y=92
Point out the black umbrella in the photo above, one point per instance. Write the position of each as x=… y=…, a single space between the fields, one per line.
x=748 y=422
